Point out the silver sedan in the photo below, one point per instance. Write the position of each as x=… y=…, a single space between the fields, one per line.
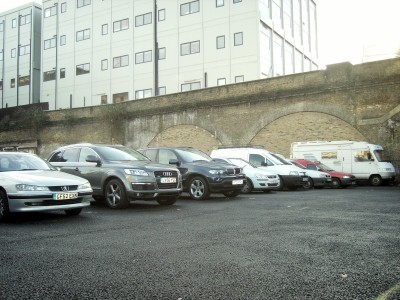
x=30 y=184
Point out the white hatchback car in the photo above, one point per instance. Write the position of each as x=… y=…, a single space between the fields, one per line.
x=257 y=179
x=30 y=184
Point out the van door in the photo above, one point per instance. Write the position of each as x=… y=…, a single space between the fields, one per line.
x=363 y=163
x=345 y=157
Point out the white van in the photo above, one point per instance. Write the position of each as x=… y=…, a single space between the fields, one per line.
x=365 y=161
x=291 y=176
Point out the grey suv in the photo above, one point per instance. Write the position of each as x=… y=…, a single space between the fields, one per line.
x=119 y=174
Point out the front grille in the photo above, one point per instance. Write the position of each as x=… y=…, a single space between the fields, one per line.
x=233 y=171
x=166 y=174
x=63 y=188
x=54 y=202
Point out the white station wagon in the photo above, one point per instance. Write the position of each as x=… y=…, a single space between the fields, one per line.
x=30 y=184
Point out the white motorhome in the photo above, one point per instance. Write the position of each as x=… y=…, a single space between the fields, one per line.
x=291 y=176
x=366 y=161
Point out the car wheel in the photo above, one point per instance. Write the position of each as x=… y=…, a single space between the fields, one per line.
x=248 y=187
x=198 y=188
x=281 y=184
x=115 y=194
x=375 y=180
x=232 y=194
x=336 y=183
x=73 y=212
x=167 y=201
x=3 y=205
x=309 y=184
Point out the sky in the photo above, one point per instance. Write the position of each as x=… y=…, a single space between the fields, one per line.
x=354 y=31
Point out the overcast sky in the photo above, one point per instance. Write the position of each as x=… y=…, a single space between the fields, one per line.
x=349 y=30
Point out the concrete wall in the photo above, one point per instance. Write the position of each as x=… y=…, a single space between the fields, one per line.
x=360 y=102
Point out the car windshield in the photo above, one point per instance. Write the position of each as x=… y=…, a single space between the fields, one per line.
x=22 y=162
x=191 y=155
x=241 y=163
x=325 y=167
x=120 y=153
x=279 y=160
x=380 y=155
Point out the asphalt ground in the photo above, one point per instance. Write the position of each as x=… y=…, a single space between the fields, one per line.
x=307 y=244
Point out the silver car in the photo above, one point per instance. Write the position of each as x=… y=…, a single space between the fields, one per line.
x=30 y=184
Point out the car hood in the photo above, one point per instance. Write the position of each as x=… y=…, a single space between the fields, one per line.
x=149 y=165
x=41 y=178
x=212 y=165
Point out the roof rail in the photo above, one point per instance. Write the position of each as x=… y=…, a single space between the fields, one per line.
x=238 y=146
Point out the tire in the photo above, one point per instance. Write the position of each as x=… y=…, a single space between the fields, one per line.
x=73 y=212
x=232 y=194
x=309 y=184
x=115 y=194
x=167 y=201
x=336 y=183
x=375 y=180
x=248 y=187
x=281 y=184
x=4 y=211
x=198 y=188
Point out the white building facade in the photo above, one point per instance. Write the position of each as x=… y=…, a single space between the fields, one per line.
x=20 y=36
x=107 y=51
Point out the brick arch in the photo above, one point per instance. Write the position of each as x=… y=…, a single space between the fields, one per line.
x=186 y=135
x=303 y=126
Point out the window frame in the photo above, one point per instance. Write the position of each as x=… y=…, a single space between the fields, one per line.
x=120 y=61
x=83 y=69
x=142 y=18
x=190 y=46
x=217 y=41
x=190 y=8
x=237 y=35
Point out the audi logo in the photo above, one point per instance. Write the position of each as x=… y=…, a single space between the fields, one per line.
x=168 y=174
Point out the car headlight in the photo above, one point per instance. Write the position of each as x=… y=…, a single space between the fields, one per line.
x=136 y=172
x=261 y=176
x=85 y=186
x=386 y=170
x=347 y=177
x=295 y=173
x=216 y=172
x=31 y=188
x=322 y=175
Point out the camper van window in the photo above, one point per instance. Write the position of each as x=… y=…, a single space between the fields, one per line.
x=380 y=156
x=363 y=155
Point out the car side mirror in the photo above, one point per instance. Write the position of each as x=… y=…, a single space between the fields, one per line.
x=93 y=158
x=174 y=161
x=264 y=164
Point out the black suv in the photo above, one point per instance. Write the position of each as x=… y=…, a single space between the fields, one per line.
x=119 y=174
x=200 y=175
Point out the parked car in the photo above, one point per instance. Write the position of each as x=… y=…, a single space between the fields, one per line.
x=339 y=179
x=317 y=179
x=257 y=179
x=119 y=174
x=200 y=175
x=30 y=184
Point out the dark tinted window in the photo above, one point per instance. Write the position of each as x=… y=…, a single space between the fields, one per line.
x=312 y=167
x=70 y=155
x=57 y=157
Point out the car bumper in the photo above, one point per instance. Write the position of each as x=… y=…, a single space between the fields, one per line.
x=224 y=184
x=348 y=181
x=293 y=181
x=152 y=194
x=266 y=184
x=318 y=182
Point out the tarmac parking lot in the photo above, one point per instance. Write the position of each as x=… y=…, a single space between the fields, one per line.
x=307 y=244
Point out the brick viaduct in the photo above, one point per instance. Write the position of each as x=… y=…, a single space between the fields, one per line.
x=342 y=102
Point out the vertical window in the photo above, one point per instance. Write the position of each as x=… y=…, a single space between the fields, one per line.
x=13 y=52
x=143 y=19
x=63 y=40
x=161 y=53
x=219 y=3
x=104 y=64
x=190 y=8
x=278 y=56
x=162 y=90
x=220 y=42
x=81 y=3
x=63 y=7
x=104 y=99
x=62 y=73
x=1 y=85
x=104 y=29
x=161 y=15
x=24 y=20
x=14 y=23
x=82 y=69
x=239 y=78
x=1 y=27
x=24 y=50
x=221 y=81
x=12 y=83
x=238 y=38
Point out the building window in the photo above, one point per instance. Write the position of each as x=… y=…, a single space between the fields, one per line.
x=50 y=43
x=104 y=29
x=239 y=78
x=161 y=15
x=121 y=97
x=143 y=57
x=62 y=73
x=220 y=42
x=121 y=61
x=103 y=99
x=161 y=53
x=143 y=19
x=162 y=90
x=14 y=23
x=190 y=8
x=50 y=11
x=63 y=7
x=236 y=1
x=82 y=69
x=24 y=50
x=190 y=48
x=238 y=38
x=1 y=27
x=1 y=56
x=63 y=40
x=104 y=64
x=143 y=94
x=221 y=81
x=24 y=80
x=1 y=85
x=83 y=35
x=12 y=83
x=121 y=25
x=13 y=53
x=49 y=75
x=80 y=3
x=24 y=20
x=190 y=86
x=219 y=3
